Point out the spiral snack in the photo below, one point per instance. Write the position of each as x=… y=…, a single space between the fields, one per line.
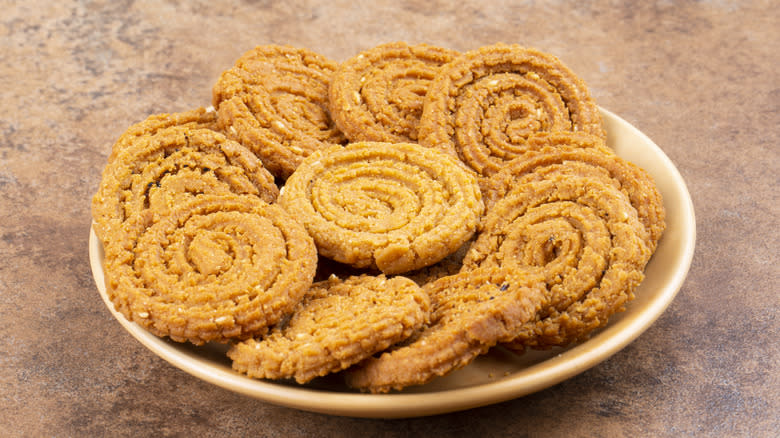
x=396 y=207
x=579 y=155
x=205 y=118
x=472 y=311
x=378 y=94
x=168 y=166
x=582 y=235
x=275 y=101
x=485 y=105
x=338 y=324
x=215 y=268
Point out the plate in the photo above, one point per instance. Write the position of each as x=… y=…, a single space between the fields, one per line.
x=498 y=376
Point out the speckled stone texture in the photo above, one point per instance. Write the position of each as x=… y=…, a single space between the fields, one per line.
x=699 y=78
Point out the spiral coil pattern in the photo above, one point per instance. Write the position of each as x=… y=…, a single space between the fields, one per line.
x=155 y=172
x=582 y=236
x=560 y=154
x=485 y=104
x=275 y=101
x=215 y=268
x=395 y=207
x=378 y=94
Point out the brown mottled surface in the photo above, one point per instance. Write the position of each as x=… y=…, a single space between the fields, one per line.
x=699 y=78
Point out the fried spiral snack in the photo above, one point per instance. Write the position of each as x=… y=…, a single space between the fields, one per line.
x=392 y=206
x=215 y=268
x=579 y=233
x=579 y=155
x=275 y=101
x=485 y=105
x=205 y=118
x=168 y=166
x=196 y=249
x=338 y=323
x=472 y=311
x=378 y=94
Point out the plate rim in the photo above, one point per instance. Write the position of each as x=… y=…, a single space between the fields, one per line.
x=569 y=363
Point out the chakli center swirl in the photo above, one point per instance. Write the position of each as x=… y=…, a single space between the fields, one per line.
x=395 y=207
x=486 y=103
x=582 y=236
x=215 y=268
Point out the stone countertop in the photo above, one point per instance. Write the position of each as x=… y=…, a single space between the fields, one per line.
x=699 y=78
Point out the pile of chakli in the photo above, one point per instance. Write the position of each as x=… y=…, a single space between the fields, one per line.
x=393 y=216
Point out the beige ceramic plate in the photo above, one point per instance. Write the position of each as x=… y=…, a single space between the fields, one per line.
x=497 y=376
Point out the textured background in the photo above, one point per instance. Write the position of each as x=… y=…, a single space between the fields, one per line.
x=699 y=78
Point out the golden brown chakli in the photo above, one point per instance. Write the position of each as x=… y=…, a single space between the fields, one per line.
x=275 y=101
x=214 y=268
x=582 y=236
x=151 y=171
x=198 y=248
x=391 y=206
x=471 y=312
x=378 y=94
x=485 y=104
x=338 y=324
